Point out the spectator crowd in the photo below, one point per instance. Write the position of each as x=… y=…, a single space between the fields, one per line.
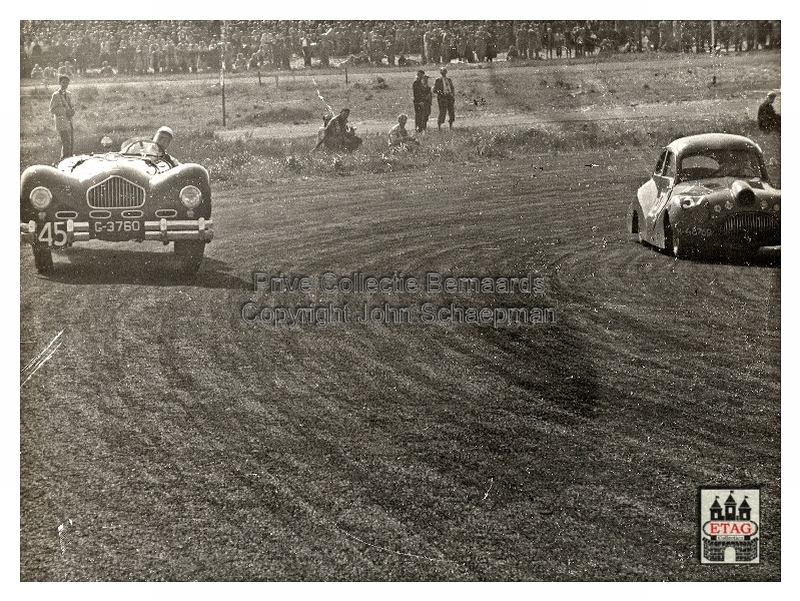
x=106 y=48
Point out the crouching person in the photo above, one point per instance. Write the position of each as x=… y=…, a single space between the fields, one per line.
x=339 y=135
x=768 y=118
x=326 y=118
x=398 y=135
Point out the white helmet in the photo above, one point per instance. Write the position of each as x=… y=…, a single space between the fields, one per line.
x=163 y=137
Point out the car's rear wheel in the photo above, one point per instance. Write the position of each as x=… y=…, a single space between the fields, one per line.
x=43 y=258
x=190 y=254
x=635 y=229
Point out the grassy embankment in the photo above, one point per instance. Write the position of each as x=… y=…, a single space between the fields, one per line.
x=551 y=93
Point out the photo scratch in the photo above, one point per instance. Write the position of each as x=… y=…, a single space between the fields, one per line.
x=33 y=366
x=63 y=535
x=414 y=555
x=488 y=490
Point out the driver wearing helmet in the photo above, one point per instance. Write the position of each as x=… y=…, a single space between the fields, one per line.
x=163 y=138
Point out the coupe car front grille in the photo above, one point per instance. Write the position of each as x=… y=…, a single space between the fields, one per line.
x=115 y=193
x=752 y=226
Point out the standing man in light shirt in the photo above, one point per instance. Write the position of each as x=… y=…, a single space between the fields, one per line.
x=446 y=96
x=62 y=109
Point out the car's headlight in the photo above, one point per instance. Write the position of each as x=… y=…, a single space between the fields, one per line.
x=41 y=198
x=687 y=202
x=191 y=197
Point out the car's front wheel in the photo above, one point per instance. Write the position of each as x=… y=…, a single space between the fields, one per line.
x=43 y=258
x=676 y=243
x=190 y=254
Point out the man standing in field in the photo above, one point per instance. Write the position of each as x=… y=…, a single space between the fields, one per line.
x=423 y=98
x=446 y=96
x=62 y=109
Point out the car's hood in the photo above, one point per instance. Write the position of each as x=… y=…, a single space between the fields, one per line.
x=722 y=186
x=88 y=167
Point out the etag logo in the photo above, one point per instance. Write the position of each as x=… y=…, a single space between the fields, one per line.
x=729 y=525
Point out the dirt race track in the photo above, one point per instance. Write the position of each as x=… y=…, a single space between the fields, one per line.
x=174 y=441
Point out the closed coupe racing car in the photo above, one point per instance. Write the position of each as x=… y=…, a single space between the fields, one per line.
x=708 y=193
x=140 y=193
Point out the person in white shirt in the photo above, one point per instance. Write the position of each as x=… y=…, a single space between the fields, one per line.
x=398 y=136
x=446 y=96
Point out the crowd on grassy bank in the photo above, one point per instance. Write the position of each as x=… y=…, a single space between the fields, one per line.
x=142 y=47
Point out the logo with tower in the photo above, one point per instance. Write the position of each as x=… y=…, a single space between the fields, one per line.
x=729 y=525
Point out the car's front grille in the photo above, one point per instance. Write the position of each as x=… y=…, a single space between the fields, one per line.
x=115 y=193
x=752 y=227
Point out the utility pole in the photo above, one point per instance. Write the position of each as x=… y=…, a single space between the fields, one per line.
x=713 y=38
x=223 y=37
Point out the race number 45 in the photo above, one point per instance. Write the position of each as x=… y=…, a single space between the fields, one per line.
x=53 y=233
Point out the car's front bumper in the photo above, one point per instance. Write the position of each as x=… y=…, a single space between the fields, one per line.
x=162 y=230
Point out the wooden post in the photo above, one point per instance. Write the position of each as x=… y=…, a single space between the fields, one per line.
x=345 y=76
x=223 y=105
x=713 y=41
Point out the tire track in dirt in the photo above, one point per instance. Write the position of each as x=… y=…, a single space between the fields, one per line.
x=202 y=447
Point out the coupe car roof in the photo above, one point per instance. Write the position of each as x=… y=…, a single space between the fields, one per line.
x=702 y=142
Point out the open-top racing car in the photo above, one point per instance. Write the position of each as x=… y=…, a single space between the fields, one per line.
x=140 y=193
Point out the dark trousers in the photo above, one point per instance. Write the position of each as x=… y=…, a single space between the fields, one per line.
x=66 y=142
x=772 y=123
x=347 y=143
x=422 y=111
x=447 y=106
x=351 y=143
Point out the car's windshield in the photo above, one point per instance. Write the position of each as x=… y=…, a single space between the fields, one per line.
x=742 y=163
x=141 y=147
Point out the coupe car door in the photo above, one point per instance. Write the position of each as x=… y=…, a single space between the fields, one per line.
x=648 y=193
